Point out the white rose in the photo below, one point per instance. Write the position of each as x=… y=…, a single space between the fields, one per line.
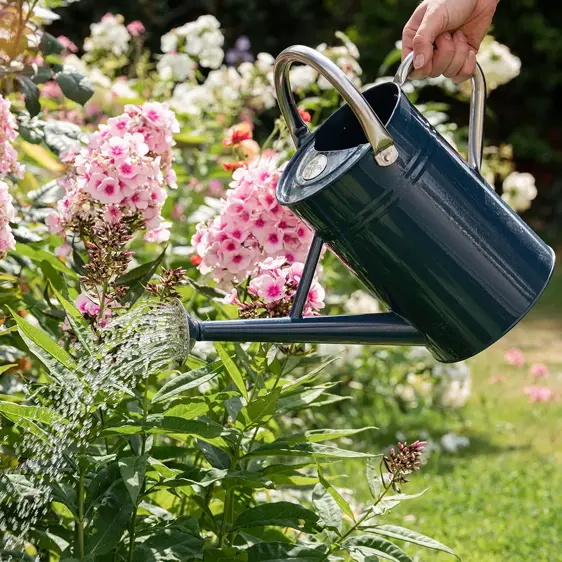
x=519 y=190
x=169 y=42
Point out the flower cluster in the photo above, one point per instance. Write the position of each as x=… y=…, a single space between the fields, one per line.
x=539 y=393
x=91 y=309
x=201 y=40
x=498 y=63
x=519 y=190
x=402 y=461
x=272 y=290
x=8 y=133
x=250 y=228
x=514 y=356
x=7 y=214
x=109 y=34
x=123 y=172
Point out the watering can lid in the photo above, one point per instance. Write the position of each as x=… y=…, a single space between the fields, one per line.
x=311 y=170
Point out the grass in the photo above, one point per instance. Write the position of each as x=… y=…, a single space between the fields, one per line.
x=500 y=499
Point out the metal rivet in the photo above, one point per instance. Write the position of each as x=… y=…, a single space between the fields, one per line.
x=315 y=167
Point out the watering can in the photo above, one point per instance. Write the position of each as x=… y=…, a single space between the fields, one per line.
x=415 y=222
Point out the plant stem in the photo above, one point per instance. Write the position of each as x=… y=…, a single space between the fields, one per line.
x=80 y=499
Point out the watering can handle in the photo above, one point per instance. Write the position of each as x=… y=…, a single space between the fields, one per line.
x=477 y=109
x=381 y=141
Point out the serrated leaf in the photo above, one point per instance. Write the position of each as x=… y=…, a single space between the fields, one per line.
x=104 y=480
x=232 y=369
x=378 y=546
x=187 y=381
x=406 y=535
x=279 y=514
x=132 y=472
x=30 y=93
x=285 y=552
x=75 y=86
x=327 y=508
x=41 y=340
x=28 y=417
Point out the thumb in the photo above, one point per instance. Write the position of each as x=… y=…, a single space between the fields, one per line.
x=433 y=24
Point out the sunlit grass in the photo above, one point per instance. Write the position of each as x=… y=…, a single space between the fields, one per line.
x=499 y=499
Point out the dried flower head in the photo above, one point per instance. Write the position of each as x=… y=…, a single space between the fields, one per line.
x=402 y=461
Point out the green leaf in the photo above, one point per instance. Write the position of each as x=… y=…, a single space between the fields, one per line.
x=173 y=544
x=160 y=424
x=40 y=255
x=40 y=339
x=209 y=292
x=104 y=480
x=232 y=369
x=311 y=375
x=29 y=416
x=110 y=521
x=374 y=479
x=285 y=552
x=196 y=477
x=281 y=447
x=16 y=556
x=49 y=45
x=195 y=408
x=30 y=93
x=343 y=505
x=78 y=323
x=245 y=479
x=132 y=471
x=327 y=508
x=187 y=381
x=60 y=136
x=259 y=410
x=138 y=277
x=5 y=368
x=43 y=74
x=216 y=457
x=280 y=514
x=75 y=86
x=368 y=544
x=395 y=532
x=231 y=554
x=319 y=435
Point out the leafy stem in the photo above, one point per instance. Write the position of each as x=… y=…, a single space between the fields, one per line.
x=83 y=467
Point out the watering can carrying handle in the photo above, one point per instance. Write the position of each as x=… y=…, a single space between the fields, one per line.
x=381 y=141
x=477 y=109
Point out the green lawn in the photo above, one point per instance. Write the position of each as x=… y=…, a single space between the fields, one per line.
x=501 y=498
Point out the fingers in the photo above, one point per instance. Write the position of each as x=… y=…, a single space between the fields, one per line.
x=460 y=56
x=443 y=55
x=411 y=28
x=468 y=67
x=433 y=24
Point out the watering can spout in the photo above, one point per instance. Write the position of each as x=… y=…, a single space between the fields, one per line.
x=364 y=329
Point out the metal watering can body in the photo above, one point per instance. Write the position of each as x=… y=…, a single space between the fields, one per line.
x=415 y=222
x=418 y=225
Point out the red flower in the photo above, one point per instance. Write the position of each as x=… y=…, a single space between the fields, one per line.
x=237 y=137
x=195 y=260
x=231 y=166
x=305 y=116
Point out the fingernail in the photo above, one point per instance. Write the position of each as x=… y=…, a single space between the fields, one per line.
x=460 y=36
x=418 y=61
x=471 y=55
x=447 y=35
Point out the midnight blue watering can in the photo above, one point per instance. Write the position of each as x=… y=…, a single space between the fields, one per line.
x=408 y=216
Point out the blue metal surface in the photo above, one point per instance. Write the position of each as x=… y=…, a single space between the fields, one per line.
x=426 y=235
x=383 y=329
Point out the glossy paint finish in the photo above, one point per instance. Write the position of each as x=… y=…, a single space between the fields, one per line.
x=384 y=329
x=426 y=235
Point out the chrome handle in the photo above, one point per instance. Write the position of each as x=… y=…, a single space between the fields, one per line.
x=381 y=141
x=477 y=109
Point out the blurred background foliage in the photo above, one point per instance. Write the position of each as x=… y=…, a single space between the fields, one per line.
x=526 y=114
